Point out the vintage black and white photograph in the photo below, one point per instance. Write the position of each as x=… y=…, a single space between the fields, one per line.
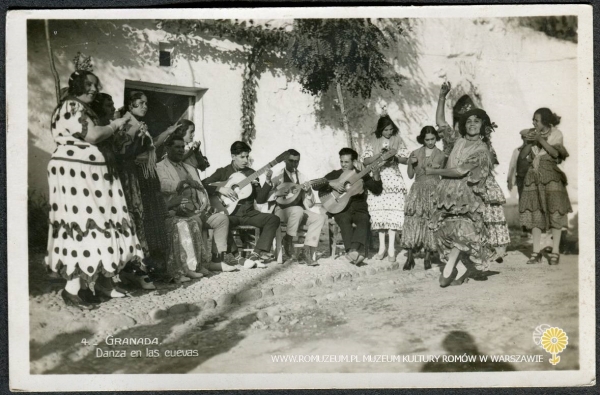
x=382 y=197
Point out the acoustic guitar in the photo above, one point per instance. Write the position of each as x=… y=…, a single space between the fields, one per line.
x=292 y=190
x=240 y=184
x=335 y=202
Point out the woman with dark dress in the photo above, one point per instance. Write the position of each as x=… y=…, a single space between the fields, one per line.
x=545 y=202
x=420 y=202
x=137 y=167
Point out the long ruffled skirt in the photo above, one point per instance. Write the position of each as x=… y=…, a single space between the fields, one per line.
x=90 y=232
x=420 y=206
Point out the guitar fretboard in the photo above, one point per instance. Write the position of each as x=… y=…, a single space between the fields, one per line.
x=257 y=174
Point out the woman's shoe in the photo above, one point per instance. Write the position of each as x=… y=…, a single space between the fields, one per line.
x=444 y=282
x=553 y=259
x=536 y=257
x=88 y=296
x=410 y=261
x=462 y=279
x=427 y=261
x=392 y=256
x=379 y=257
x=192 y=274
x=75 y=301
x=181 y=280
x=143 y=281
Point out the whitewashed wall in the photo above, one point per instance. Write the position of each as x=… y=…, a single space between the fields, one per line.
x=513 y=70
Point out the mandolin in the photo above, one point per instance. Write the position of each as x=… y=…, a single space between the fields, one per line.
x=240 y=184
x=335 y=202
x=292 y=190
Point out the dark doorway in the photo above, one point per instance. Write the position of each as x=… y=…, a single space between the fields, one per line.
x=164 y=109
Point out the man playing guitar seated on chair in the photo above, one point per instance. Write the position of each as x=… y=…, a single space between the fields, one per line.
x=245 y=213
x=357 y=210
x=296 y=213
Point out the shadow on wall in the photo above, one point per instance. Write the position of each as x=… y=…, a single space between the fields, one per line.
x=460 y=343
x=37 y=199
x=405 y=104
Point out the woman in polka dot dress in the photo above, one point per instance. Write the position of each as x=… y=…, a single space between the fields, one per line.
x=387 y=209
x=90 y=232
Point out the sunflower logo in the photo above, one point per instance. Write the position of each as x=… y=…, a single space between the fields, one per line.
x=554 y=341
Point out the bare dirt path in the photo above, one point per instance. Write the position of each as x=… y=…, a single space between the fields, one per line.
x=366 y=316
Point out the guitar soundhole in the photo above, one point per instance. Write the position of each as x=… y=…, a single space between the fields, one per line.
x=234 y=187
x=347 y=186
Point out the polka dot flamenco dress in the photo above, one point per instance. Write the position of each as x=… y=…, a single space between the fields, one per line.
x=90 y=232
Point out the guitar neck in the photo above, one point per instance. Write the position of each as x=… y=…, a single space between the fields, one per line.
x=366 y=170
x=317 y=181
x=257 y=174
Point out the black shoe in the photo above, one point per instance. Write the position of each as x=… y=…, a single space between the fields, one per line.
x=536 y=257
x=410 y=261
x=88 y=296
x=427 y=261
x=75 y=301
x=308 y=256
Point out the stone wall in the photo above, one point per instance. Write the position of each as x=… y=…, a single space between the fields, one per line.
x=510 y=70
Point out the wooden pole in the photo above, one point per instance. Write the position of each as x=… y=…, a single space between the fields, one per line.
x=344 y=118
x=52 y=65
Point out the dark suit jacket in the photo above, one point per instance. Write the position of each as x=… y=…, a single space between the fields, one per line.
x=357 y=202
x=245 y=207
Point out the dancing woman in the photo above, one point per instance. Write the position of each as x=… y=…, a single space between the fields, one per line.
x=545 y=202
x=421 y=200
x=458 y=220
x=387 y=209
x=493 y=197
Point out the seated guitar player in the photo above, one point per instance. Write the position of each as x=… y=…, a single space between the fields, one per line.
x=245 y=213
x=186 y=198
x=296 y=213
x=357 y=210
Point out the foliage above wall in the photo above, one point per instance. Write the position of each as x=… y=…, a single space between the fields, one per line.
x=348 y=54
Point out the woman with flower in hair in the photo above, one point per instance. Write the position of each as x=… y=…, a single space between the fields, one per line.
x=387 y=209
x=458 y=219
x=545 y=202
x=493 y=216
x=136 y=153
x=91 y=237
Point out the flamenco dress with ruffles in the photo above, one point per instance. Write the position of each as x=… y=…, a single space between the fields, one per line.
x=545 y=202
x=458 y=219
x=90 y=232
x=421 y=201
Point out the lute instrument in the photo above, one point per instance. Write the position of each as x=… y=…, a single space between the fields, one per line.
x=240 y=184
x=293 y=190
x=335 y=202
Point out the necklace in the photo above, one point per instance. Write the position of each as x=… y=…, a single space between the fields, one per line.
x=471 y=138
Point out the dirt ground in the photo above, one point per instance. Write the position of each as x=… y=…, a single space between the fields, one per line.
x=357 y=324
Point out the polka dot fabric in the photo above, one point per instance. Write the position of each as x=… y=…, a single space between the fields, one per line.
x=90 y=229
x=387 y=209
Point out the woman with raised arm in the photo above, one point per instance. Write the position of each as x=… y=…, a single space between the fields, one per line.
x=90 y=235
x=135 y=150
x=387 y=209
x=458 y=220
x=420 y=202
x=493 y=216
x=545 y=202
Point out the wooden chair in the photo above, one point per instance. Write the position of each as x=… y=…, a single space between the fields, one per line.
x=244 y=245
x=279 y=240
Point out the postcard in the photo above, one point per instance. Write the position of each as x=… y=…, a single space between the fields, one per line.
x=348 y=197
